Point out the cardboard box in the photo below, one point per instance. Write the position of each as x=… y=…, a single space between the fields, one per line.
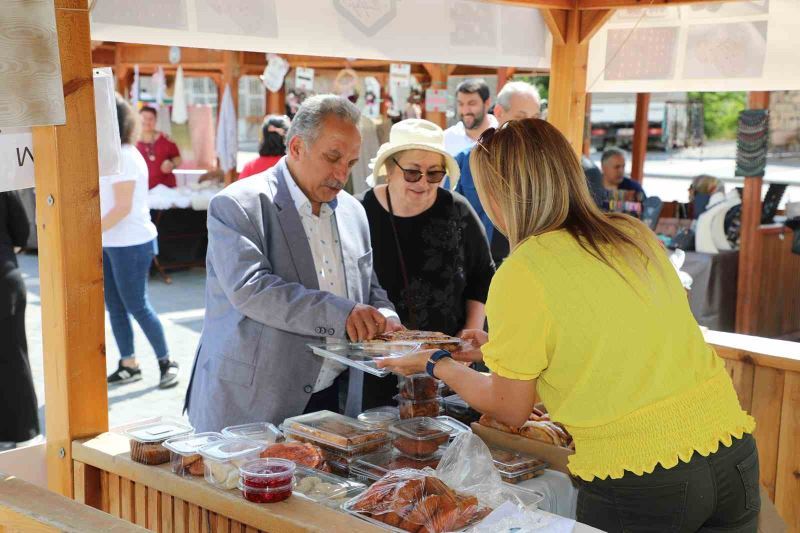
x=555 y=455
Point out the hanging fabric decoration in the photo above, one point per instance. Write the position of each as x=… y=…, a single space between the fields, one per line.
x=752 y=141
x=159 y=86
x=227 y=137
x=135 y=87
x=180 y=111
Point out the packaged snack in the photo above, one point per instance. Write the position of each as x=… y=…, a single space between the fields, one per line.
x=380 y=417
x=371 y=468
x=515 y=467
x=257 y=431
x=456 y=407
x=326 y=489
x=417 y=408
x=223 y=458
x=420 y=438
x=185 y=457
x=418 y=387
x=147 y=439
x=334 y=432
x=300 y=453
x=266 y=480
x=412 y=500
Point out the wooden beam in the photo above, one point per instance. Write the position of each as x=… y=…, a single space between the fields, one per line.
x=567 y=103
x=758 y=100
x=640 y=136
x=592 y=21
x=504 y=74
x=612 y=4
x=587 y=128
x=230 y=78
x=70 y=258
x=439 y=74
x=556 y=21
x=541 y=4
x=276 y=102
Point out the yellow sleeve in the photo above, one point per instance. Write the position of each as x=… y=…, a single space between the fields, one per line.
x=519 y=323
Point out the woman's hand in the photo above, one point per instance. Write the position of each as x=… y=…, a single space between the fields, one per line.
x=406 y=365
x=473 y=354
x=477 y=337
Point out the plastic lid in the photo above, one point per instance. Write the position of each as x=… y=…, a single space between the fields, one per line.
x=269 y=468
x=191 y=444
x=513 y=463
x=380 y=416
x=336 y=430
x=421 y=429
x=376 y=465
x=456 y=401
x=260 y=431
x=456 y=427
x=231 y=449
x=337 y=486
x=158 y=431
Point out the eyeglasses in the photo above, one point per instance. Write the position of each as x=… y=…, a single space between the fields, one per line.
x=413 y=175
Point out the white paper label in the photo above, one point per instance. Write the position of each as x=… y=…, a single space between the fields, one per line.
x=16 y=159
x=304 y=78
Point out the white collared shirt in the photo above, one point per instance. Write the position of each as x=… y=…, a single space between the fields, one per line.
x=323 y=239
x=456 y=139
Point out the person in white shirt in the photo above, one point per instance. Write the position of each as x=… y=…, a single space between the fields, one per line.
x=129 y=245
x=472 y=99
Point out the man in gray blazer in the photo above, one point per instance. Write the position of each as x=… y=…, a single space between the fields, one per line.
x=289 y=263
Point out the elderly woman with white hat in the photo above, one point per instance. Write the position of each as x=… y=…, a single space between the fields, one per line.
x=429 y=248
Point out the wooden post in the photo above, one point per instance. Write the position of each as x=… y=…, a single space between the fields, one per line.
x=504 y=75
x=276 y=102
x=231 y=71
x=640 y=136
x=70 y=256
x=750 y=241
x=439 y=75
x=572 y=30
x=587 y=128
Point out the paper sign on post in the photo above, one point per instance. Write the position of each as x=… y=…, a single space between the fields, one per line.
x=275 y=73
x=400 y=74
x=304 y=78
x=436 y=100
x=16 y=159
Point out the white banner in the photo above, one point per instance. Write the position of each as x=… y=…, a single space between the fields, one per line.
x=735 y=46
x=470 y=32
x=275 y=72
x=16 y=159
x=400 y=74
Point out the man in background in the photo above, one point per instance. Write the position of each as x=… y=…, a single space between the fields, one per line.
x=472 y=99
x=614 y=179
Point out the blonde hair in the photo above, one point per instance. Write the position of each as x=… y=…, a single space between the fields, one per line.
x=527 y=172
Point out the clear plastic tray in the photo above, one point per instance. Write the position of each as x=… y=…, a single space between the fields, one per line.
x=371 y=468
x=223 y=458
x=147 y=439
x=420 y=438
x=515 y=467
x=380 y=417
x=324 y=488
x=257 y=431
x=185 y=457
x=327 y=429
x=329 y=449
x=360 y=356
x=418 y=408
x=457 y=408
x=418 y=387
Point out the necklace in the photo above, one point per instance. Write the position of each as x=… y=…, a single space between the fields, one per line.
x=150 y=148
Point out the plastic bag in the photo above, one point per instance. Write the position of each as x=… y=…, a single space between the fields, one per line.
x=677 y=259
x=417 y=501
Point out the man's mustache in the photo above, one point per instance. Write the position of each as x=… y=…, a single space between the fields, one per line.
x=333 y=184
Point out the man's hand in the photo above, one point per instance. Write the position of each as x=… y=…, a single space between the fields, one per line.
x=167 y=166
x=364 y=323
x=393 y=324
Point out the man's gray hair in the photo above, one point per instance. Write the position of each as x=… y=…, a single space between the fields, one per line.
x=516 y=87
x=611 y=152
x=307 y=123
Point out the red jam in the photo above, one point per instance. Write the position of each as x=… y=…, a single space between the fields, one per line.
x=253 y=477
x=272 y=496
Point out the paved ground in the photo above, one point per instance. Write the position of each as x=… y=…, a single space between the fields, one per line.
x=180 y=304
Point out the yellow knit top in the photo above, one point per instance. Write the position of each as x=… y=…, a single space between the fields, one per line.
x=623 y=365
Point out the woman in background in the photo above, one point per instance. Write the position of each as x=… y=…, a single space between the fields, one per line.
x=272 y=147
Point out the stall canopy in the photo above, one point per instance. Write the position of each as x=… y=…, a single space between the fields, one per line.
x=444 y=31
x=733 y=46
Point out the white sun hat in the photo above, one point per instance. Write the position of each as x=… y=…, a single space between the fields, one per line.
x=412 y=134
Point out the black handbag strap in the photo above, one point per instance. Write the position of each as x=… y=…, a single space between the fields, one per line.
x=401 y=259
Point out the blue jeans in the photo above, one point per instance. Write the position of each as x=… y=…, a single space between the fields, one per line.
x=125 y=273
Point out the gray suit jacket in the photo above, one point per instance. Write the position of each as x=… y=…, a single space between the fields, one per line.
x=263 y=303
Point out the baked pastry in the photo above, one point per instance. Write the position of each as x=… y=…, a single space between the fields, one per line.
x=428 y=339
x=302 y=453
x=418 y=387
x=421 y=447
x=415 y=409
x=490 y=422
x=334 y=429
x=149 y=453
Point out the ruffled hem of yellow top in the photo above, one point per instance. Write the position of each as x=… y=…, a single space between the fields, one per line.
x=664 y=433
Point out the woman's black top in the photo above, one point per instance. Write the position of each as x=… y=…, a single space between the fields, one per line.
x=14 y=229
x=446 y=256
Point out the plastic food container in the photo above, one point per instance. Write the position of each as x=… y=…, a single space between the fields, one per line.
x=418 y=387
x=185 y=452
x=336 y=433
x=266 y=480
x=456 y=407
x=223 y=458
x=420 y=438
x=257 y=431
x=417 y=408
x=456 y=427
x=515 y=467
x=326 y=489
x=371 y=468
x=380 y=417
x=147 y=440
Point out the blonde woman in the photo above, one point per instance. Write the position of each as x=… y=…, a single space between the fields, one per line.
x=588 y=312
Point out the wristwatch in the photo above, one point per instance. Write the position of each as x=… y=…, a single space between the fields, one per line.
x=437 y=356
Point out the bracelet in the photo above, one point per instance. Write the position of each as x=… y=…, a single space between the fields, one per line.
x=437 y=356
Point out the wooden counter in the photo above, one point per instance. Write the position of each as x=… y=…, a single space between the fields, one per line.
x=155 y=498
x=766 y=376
